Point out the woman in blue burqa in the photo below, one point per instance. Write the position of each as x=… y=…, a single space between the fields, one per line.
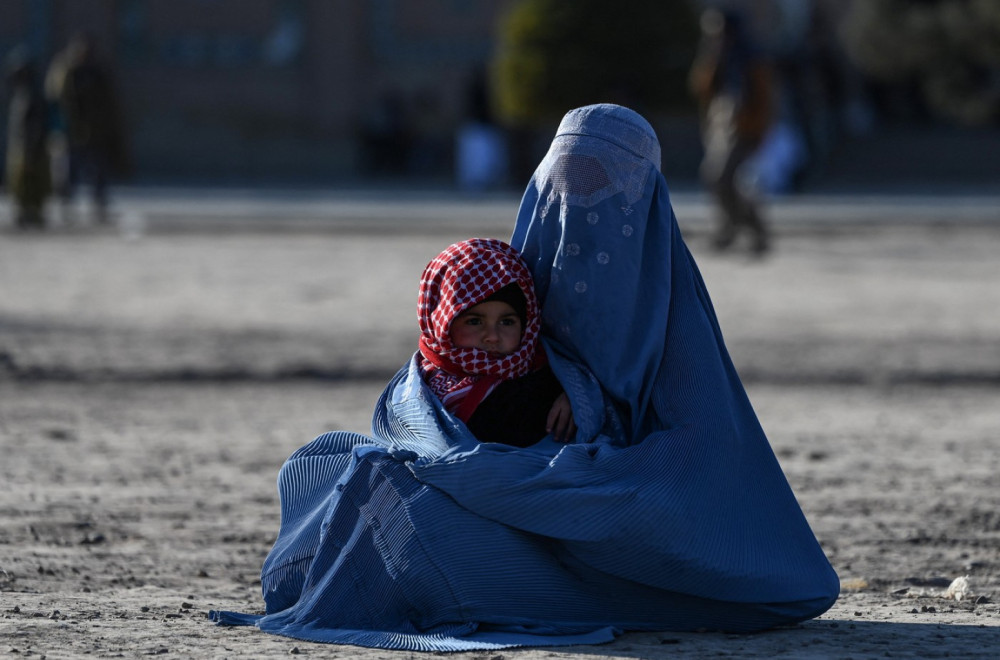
x=668 y=511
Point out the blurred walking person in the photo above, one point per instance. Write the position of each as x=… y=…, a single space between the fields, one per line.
x=27 y=168
x=84 y=92
x=733 y=84
x=480 y=145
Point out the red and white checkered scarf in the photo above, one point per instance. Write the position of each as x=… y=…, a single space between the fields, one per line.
x=462 y=276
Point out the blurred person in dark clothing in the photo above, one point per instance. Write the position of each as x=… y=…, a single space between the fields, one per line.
x=386 y=136
x=734 y=88
x=27 y=169
x=84 y=92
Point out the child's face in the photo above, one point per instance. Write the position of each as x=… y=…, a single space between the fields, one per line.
x=492 y=326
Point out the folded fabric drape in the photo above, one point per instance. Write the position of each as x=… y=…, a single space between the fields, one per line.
x=668 y=512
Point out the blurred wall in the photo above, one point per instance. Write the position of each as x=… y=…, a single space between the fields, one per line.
x=296 y=89
x=335 y=90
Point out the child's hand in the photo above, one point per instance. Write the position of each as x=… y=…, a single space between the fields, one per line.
x=560 y=421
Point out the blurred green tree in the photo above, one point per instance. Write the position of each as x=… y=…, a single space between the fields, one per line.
x=555 y=55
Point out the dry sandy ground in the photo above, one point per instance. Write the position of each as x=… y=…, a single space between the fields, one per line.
x=150 y=388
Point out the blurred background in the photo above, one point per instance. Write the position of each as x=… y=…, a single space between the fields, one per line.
x=467 y=94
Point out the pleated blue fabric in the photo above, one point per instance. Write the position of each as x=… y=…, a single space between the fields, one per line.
x=669 y=511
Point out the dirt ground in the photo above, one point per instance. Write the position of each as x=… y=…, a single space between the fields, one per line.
x=153 y=382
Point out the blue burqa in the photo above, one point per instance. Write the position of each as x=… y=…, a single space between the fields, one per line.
x=669 y=511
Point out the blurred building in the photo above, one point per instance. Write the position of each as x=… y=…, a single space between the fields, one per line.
x=247 y=89
x=324 y=90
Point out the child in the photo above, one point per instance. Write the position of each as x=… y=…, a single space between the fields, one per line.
x=479 y=345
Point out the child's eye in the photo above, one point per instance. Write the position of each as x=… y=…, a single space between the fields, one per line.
x=470 y=320
x=508 y=321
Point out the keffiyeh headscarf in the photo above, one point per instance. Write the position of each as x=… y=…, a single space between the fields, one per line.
x=462 y=276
